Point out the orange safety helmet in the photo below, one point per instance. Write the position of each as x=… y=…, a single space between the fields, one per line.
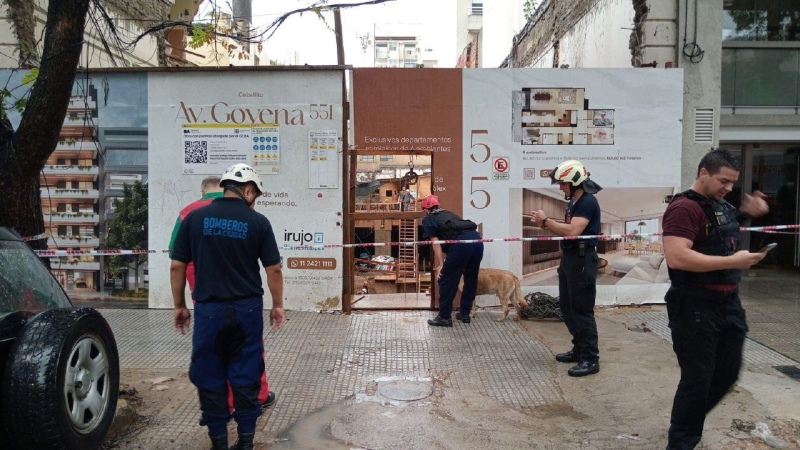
x=429 y=202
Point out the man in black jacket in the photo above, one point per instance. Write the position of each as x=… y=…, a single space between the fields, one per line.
x=462 y=259
x=701 y=246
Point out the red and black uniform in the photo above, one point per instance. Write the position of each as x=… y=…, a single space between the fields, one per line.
x=197 y=204
x=226 y=240
x=705 y=314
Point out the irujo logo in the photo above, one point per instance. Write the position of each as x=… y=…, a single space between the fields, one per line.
x=303 y=238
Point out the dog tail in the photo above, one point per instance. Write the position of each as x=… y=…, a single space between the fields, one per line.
x=518 y=294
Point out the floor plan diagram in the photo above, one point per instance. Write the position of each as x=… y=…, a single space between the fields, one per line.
x=560 y=116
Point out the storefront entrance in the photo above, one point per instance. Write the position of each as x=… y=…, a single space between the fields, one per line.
x=773 y=169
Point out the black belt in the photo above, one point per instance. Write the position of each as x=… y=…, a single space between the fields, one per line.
x=576 y=250
x=700 y=291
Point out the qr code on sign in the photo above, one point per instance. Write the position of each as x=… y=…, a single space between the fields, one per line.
x=195 y=152
x=528 y=174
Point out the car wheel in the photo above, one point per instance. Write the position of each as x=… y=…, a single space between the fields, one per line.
x=62 y=381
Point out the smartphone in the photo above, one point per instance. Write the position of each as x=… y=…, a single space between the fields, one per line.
x=768 y=247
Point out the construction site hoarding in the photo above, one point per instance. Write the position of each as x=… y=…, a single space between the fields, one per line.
x=288 y=126
x=496 y=141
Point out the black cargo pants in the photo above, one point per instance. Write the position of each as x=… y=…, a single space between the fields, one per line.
x=577 y=289
x=708 y=332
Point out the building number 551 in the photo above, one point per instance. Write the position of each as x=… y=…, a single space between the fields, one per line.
x=486 y=154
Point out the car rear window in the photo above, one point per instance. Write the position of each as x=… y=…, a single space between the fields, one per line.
x=25 y=283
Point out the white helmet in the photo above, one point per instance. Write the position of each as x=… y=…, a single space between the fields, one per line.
x=571 y=171
x=242 y=173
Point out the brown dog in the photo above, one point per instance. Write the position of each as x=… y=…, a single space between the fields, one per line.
x=505 y=285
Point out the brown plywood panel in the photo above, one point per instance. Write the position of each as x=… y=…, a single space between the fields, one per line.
x=398 y=110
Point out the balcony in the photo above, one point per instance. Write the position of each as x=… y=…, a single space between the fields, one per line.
x=74 y=147
x=474 y=22
x=73 y=241
x=117 y=181
x=81 y=104
x=78 y=171
x=73 y=264
x=64 y=194
x=761 y=78
x=72 y=218
x=80 y=121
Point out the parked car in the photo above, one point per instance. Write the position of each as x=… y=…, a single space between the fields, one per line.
x=60 y=364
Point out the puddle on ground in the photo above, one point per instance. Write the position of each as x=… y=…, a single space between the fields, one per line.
x=313 y=431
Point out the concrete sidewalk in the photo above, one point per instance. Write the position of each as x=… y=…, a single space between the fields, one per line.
x=342 y=373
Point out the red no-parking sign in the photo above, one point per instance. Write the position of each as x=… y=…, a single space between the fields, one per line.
x=500 y=168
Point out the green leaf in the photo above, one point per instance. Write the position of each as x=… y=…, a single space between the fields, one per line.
x=201 y=35
x=31 y=76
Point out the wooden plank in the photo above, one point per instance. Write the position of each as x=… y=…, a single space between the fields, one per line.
x=396 y=215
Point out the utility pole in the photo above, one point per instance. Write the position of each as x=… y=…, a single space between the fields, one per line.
x=348 y=167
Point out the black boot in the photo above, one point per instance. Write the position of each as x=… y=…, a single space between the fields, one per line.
x=440 y=322
x=219 y=442
x=245 y=442
x=567 y=357
x=584 y=368
x=463 y=318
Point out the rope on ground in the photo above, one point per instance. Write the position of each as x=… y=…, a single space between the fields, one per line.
x=542 y=306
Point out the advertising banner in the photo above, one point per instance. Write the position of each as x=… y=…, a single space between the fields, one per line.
x=270 y=120
x=515 y=126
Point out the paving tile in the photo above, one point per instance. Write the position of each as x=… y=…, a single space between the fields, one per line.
x=318 y=359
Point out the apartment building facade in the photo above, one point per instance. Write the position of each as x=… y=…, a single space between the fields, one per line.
x=69 y=191
x=397 y=51
x=741 y=64
x=469 y=18
x=90 y=164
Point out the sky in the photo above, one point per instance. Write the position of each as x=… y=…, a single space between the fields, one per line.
x=308 y=38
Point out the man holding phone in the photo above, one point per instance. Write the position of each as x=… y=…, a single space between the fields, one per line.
x=701 y=246
x=767 y=247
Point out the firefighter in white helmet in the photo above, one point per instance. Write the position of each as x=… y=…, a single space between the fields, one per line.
x=577 y=274
x=226 y=240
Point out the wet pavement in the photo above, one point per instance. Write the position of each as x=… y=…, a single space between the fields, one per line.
x=320 y=360
x=772 y=302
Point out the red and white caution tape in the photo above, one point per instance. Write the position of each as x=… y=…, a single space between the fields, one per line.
x=769 y=229
x=36 y=238
x=91 y=252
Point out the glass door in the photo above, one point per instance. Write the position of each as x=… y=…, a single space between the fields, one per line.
x=774 y=170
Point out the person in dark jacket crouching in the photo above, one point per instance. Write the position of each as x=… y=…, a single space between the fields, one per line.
x=461 y=259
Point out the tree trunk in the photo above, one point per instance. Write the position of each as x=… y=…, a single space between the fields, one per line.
x=136 y=276
x=24 y=153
